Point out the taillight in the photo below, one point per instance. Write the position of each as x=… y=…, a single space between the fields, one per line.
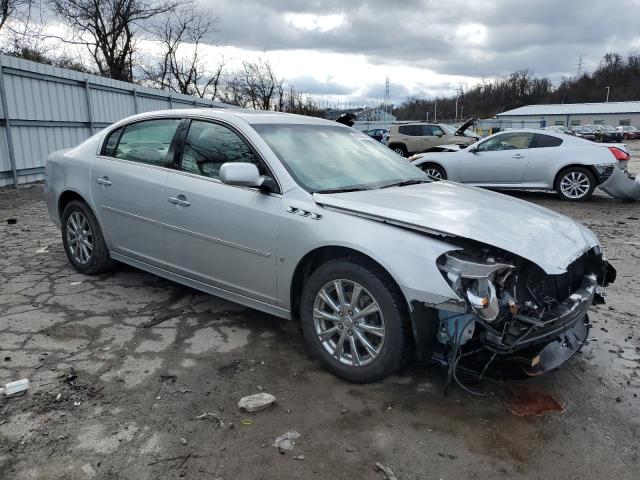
x=620 y=154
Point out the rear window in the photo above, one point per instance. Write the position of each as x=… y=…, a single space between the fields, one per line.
x=411 y=130
x=542 y=141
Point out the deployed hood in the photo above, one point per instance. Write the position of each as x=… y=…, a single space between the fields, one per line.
x=465 y=126
x=550 y=240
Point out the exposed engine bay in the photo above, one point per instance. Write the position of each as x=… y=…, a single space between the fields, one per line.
x=516 y=312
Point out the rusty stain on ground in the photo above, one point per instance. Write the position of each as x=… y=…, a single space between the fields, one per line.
x=525 y=401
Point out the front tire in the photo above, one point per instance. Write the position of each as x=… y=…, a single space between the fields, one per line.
x=83 y=240
x=435 y=172
x=354 y=320
x=575 y=184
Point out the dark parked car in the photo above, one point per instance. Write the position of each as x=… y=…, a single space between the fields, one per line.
x=607 y=133
x=586 y=132
x=376 y=133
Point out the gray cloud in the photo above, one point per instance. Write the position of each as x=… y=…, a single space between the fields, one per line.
x=310 y=85
x=546 y=36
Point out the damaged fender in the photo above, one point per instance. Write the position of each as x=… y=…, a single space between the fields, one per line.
x=622 y=185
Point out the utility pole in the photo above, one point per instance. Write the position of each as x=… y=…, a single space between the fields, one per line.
x=458 y=94
x=607 y=100
x=435 y=110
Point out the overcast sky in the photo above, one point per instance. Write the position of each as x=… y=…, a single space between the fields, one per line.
x=347 y=48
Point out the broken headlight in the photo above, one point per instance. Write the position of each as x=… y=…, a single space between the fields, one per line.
x=474 y=280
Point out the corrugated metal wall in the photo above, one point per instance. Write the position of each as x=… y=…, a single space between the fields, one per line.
x=52 y=108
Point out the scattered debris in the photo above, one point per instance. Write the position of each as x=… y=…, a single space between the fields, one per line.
x=529 y=402
x=447 y=455
x=286 y=440
x=75 y=283
x=156 y=320
x=44 y=249
x=183 y=441
x=299 y=457
x=12 y=221
x=15 y=389
x=257 y=402
x=246 y=421
x=387 y=471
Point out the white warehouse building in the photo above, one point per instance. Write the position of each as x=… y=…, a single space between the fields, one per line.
x=574 y=114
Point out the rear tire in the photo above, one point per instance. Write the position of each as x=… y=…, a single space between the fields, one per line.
x=83 y=240
x=400 y=149
x=575 y=184
x=379 y=337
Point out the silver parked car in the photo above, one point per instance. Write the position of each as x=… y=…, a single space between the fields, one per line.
x=529 y=159
x=311 y=220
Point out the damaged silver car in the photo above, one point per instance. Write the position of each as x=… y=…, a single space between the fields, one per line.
x=312 y=221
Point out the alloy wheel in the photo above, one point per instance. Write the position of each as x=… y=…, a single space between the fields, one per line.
x=433 y=174
x=79 y=237
x=348 y=322
x=575 y=185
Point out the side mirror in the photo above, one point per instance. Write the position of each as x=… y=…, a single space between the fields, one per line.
x=245 y=174
x=473 y=150
x=439 y=134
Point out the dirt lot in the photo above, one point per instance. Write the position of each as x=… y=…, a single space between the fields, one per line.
x=113 y=400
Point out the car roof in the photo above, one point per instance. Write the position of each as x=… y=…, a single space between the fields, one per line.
x=246 y=115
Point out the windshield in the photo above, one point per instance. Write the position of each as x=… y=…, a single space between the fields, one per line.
x=324 y=158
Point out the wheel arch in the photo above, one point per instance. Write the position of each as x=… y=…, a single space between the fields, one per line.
x=591 y=168
x=396 y=144
x=68 y=196
x=433 y=162
x=319 y=256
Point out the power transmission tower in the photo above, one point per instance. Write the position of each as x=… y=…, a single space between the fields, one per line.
x=385 y=102
x=580 y=64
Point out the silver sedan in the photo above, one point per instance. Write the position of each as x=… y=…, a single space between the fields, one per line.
x=313 y=221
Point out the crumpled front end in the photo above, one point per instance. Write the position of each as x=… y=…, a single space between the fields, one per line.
x=515 y=312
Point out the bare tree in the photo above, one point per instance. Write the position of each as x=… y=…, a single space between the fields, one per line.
x=232 y=90
x=260 y=85
x=108 y=28
x=181 y=68
x=14 y=9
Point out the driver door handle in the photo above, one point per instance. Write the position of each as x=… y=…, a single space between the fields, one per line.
x=103 y=181
x=179 y=200
x=518 y=155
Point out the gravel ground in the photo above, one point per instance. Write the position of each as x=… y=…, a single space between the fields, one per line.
x=110 y=399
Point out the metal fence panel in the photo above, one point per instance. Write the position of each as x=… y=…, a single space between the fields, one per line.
x=50 y=108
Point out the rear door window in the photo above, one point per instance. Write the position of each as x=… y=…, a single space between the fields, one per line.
x=146 y=142
x=410 y=130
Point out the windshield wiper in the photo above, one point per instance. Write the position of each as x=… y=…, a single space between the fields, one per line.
x=404 y=183
x=343 y=190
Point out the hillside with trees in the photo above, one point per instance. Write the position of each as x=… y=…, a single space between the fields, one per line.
x=521 y=88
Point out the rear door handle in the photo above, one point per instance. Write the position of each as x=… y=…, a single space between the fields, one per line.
x=179 y=200
x=103 y=181
x=518 y=155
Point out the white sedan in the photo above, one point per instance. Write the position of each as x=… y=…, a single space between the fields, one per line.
x=529 y=159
